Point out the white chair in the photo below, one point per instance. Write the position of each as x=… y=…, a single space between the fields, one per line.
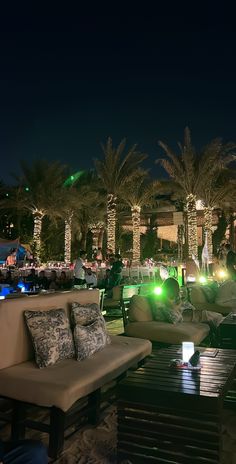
x=125 y=272
x=144 y=273
x=134 y=273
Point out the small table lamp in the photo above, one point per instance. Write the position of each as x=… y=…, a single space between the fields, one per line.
x=187 y=351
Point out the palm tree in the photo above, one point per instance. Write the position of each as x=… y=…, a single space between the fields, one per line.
x=82 y=206
x=40 y=192
x=217 y=193
x=114 y=171
x=138 y=193
x=191 y=172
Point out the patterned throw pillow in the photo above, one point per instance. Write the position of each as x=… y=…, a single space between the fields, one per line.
x=51 y=335
x=84 y=314
x=90 y=338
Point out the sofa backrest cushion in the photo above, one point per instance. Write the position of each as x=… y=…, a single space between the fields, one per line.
x=140 y=309
x=226 y=294
x=204 y=293
x=197 y=295
x=15 y=343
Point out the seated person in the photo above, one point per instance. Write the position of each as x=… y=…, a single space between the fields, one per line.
x=90 y=277
x=116 y=270
x=170 y=308
x=230 y=262
x=8 y=278
x=64 y=282
x=23 y=452
x=105 y=282
x=11 y=259
x=32 y=279
x=54 y=281
x=2 y=280
x=43 y=281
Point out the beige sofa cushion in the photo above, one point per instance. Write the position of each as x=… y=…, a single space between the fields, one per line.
x=139 y=309
x=168 y=333
x=15 y=343
x=214 y=307
x=197 y=295
x=226 y=295
x=69 y=380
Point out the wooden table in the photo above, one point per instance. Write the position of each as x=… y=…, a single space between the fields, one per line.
x=172 y=414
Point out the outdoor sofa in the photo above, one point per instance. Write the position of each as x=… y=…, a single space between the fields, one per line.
x=218 y=298
x=58 y=387
x=134 y=304
x=139 y=323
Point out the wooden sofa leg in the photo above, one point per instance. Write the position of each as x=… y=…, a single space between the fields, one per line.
x=57 y=428
x=18 y=421
x=94 y=402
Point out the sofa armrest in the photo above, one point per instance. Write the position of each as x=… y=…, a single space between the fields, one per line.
x=213 y=307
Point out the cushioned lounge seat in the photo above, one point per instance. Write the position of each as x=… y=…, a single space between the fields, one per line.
x=141 y=324
x=64 y=383
x=168 y=333
x=209 y=298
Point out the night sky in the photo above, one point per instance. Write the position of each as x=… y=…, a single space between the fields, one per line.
x=67 y=81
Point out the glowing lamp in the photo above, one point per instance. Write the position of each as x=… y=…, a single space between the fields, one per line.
x=202 y=280
x=222 y=274
x=21 y=286
x=187 y=351
x=2 y=297
x=157 y=290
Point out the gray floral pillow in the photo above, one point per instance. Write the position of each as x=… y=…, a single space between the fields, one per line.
x=84 y=314
x=51 y=335
x=90 y=338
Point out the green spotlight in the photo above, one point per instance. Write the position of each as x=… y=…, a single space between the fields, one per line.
x=202 y=280
x=157 y=290
x=72 y=178
x=27 y=189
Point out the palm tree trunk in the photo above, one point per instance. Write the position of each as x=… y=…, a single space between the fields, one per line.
x=38 y=219
x=180 y=237
x=231 y=232
x=111 y=222
x=67 y=251
x=192 y=225
x=208 y=230
x=100 y=237
x=96 y=230
x=83 y=241
x=136 y=234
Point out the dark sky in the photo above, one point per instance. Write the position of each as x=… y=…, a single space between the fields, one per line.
x=68 y=80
